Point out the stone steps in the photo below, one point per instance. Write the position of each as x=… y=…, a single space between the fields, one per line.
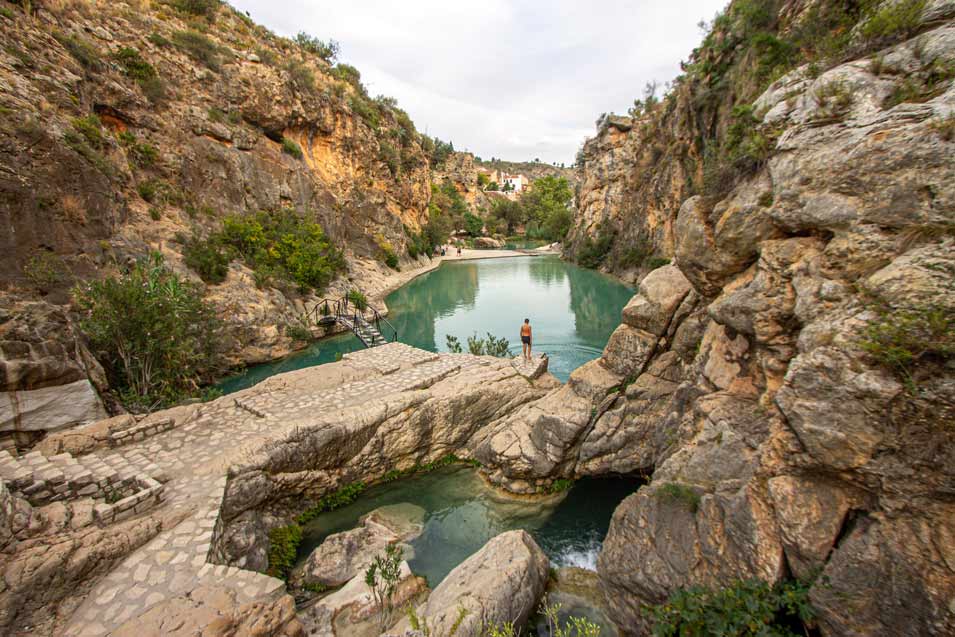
x=41 y=480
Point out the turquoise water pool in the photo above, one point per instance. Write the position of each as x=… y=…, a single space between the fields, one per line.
x=572 y=310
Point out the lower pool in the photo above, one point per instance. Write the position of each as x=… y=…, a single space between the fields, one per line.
x=462 y=513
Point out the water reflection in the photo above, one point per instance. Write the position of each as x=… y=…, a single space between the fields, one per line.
x=573 y=311
x=461 y=513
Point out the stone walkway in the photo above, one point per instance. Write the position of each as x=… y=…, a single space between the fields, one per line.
x=195 y=459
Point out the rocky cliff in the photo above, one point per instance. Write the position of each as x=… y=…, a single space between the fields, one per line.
x=788 y=381
x=127 y=127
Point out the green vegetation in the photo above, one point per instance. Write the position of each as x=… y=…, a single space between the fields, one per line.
x=382 y=577
x=203 y=8
x=443 y=461
x=945 y=128
x=591 y=252
x=199 y=47
x=676 y=493
x=283 y=546
x=328 y=51
x=390 y=156
x=289 y=147
x=134 y=65
x=152 y=332
x=893 y=20
x=143 y=154
x=488 y=346
x=45 y=270
x=148 y=190
x=155 y=213
x=298 y=332
x=282 y=245
x=86 y=138
x=209 y=259
x=560 y=485
x=81 y=50
x=927 y=83
x=439 y=150
x=904 y=339
x=834 y=100
x=745 y=608
x=345 y=495
x=357 y=298
x=300 y=76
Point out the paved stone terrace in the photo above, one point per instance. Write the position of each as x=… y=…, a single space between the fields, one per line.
x=195 y=458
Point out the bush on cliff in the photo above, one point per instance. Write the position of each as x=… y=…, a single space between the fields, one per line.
x=285 y=244
x=151 y=330
x=742 y=609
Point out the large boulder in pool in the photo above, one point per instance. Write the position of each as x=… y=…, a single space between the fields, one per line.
x=503 y=582
x=344 y=555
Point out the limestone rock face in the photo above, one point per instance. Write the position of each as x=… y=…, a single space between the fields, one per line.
x=212 y=150
x=503 y=582
x=777 y=444
x=49 y=378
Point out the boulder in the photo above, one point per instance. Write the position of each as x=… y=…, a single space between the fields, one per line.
x=488 y=243
x=503 y=582
x=661 y=293
x=345 y=555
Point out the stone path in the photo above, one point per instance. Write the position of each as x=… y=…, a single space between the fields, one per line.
x=195 y=458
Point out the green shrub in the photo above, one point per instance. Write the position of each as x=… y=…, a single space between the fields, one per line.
x=560 y=485
x=388 y=154
x=902 y=339
x=45 y=270
x=592 y=252
x=87 y=139
x=289 y=147
x=208 y=258
x=199 y=47
x=91 y=129
x=488 y=346
x=834 y=100
x=677 y=493
x=152 y=332
x=366 y=110
x=284 y=244
x=298 y=332
x=148 y=190
x=283 y=547
x=204 y=8
x=656 y=262
x=894 y=20
x=927 y=83
x=81 y=50
x=155 y=213
x=745 y=608
x=143 y=154
x=348 y=74
x=134 y=65
x=391 y=260
x=328 y=51
x=159 y=39
x=300 y=75
x=336 y=500
x=142 y=72
x=358 y=299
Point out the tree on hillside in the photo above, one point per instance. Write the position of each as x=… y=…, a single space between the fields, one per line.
x=547 y=204
x=510 y=212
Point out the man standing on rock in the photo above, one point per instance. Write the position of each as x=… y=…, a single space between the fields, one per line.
x=526 y=339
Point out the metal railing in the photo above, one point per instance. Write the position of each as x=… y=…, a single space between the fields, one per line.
x=351 y=316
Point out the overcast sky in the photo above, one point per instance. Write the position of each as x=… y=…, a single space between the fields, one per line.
x=515 y=79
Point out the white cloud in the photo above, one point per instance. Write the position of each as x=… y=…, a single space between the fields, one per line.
x=513 y=79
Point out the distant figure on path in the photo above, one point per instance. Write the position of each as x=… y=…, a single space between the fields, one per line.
x=526 y=339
